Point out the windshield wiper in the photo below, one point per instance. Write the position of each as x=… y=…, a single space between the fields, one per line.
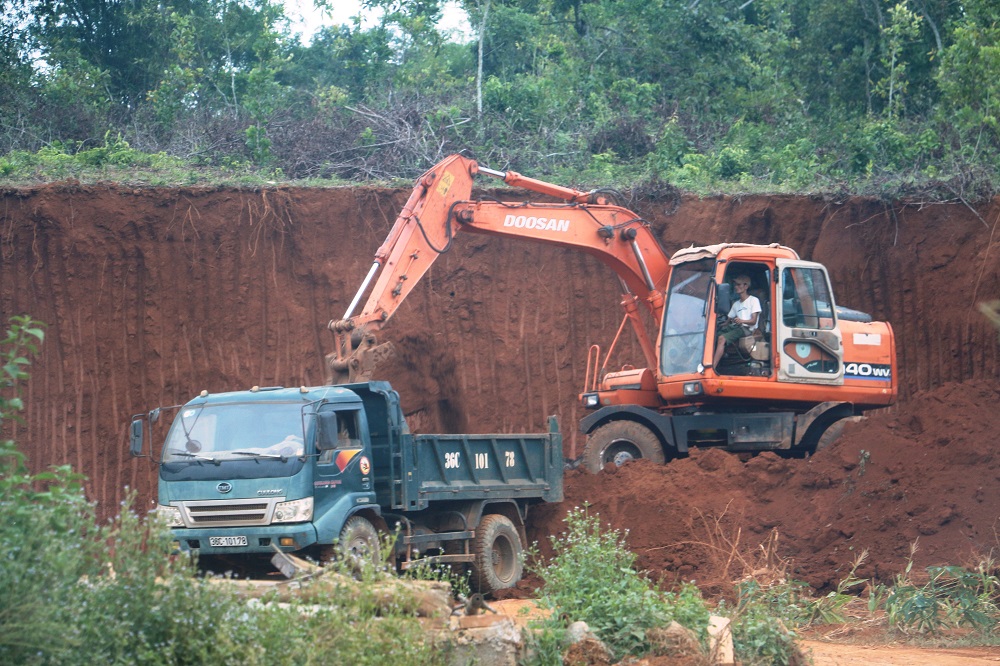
x=185 y=454
x=273 y=456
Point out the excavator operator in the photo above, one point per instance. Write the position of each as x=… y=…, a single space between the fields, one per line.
x=742 y=318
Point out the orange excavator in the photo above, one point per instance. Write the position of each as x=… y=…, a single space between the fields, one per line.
x=807 y=367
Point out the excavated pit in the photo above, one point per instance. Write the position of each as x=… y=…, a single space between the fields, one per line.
x=151 y=295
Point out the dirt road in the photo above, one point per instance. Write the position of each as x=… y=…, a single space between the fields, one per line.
x=842 y=654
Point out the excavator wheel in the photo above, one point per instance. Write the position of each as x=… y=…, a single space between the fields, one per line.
x=834 y=431
x=620 y=442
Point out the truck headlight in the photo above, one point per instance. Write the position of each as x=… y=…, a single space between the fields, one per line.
x=171 y=515
x=591 y=400
x=296 y=511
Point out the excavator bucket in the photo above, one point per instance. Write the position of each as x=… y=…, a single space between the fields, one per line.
x=356 y=355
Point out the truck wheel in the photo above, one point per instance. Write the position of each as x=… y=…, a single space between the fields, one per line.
x=499 y=560
x=359 y=543
x=620 y=442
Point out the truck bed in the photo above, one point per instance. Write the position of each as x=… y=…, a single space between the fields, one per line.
x=439 y=467
x=412 y=470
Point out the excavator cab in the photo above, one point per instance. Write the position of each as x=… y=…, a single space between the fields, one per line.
x=698 y=301
x=797 y=338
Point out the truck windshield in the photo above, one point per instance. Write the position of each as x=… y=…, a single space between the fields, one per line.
x=684 y=319
x=217 y=433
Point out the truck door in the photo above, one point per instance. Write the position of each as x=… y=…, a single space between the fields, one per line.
x=809 y=343
x=342 y=463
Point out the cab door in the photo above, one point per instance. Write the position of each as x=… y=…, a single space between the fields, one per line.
x=809 y=344
x=342 y=461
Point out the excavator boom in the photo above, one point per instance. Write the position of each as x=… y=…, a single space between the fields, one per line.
x=440 y=206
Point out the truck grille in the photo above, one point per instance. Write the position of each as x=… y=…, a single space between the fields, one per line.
x=220 y=513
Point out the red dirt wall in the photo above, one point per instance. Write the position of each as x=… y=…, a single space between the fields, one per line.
x=152 y=295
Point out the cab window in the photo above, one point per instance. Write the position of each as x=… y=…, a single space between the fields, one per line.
x=347 y=437
x=806 y=299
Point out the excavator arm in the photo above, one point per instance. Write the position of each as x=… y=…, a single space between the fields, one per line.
x=440 y=206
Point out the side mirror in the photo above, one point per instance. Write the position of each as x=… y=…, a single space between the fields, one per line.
x=135 y=438
x=326 y=430
x=154 y=416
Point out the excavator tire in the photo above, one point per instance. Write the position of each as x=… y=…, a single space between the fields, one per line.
x=499 y=555
x=620 y=442
x=833 y=433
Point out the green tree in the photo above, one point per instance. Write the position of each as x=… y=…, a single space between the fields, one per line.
x=123 y=38
x=350 y=58
x=16 y=96
x=969 y=76
x=902 y=28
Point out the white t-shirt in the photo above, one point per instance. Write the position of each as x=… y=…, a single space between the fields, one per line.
x=744 y=310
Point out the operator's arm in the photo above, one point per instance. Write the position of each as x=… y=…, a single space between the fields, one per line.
x=732 y=311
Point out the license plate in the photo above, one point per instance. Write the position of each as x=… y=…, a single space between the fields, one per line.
x=227 y=541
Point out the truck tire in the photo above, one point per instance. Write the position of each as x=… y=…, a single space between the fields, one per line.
x=359 y=543
x=499 y=559
x=620 y=442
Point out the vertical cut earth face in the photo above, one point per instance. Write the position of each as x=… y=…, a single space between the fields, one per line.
x=151 y=295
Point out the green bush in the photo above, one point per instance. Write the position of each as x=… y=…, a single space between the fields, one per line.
x=952 y=597
x=47 y=542
x=78 y=593
x=759 y=638
x=592 y=578
x=71 y=160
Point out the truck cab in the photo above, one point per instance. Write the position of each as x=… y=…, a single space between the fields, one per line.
x=248 y=471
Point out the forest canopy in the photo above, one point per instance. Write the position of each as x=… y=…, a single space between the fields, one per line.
x=870 y=96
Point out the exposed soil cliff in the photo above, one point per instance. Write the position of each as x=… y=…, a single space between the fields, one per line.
x=152 y=295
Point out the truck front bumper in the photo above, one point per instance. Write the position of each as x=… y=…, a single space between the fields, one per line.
x=259 y=539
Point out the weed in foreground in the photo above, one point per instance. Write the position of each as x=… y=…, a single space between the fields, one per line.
x=592 y=578
x=952 y=597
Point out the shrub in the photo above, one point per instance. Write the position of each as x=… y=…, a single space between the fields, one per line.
x=759 y=635
x=46 y=544
x=952 y=597
x=592 y=578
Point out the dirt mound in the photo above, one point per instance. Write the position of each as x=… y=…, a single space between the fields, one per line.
x=925 y=473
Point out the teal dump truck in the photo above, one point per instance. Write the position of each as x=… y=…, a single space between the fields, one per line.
x=324 y=471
